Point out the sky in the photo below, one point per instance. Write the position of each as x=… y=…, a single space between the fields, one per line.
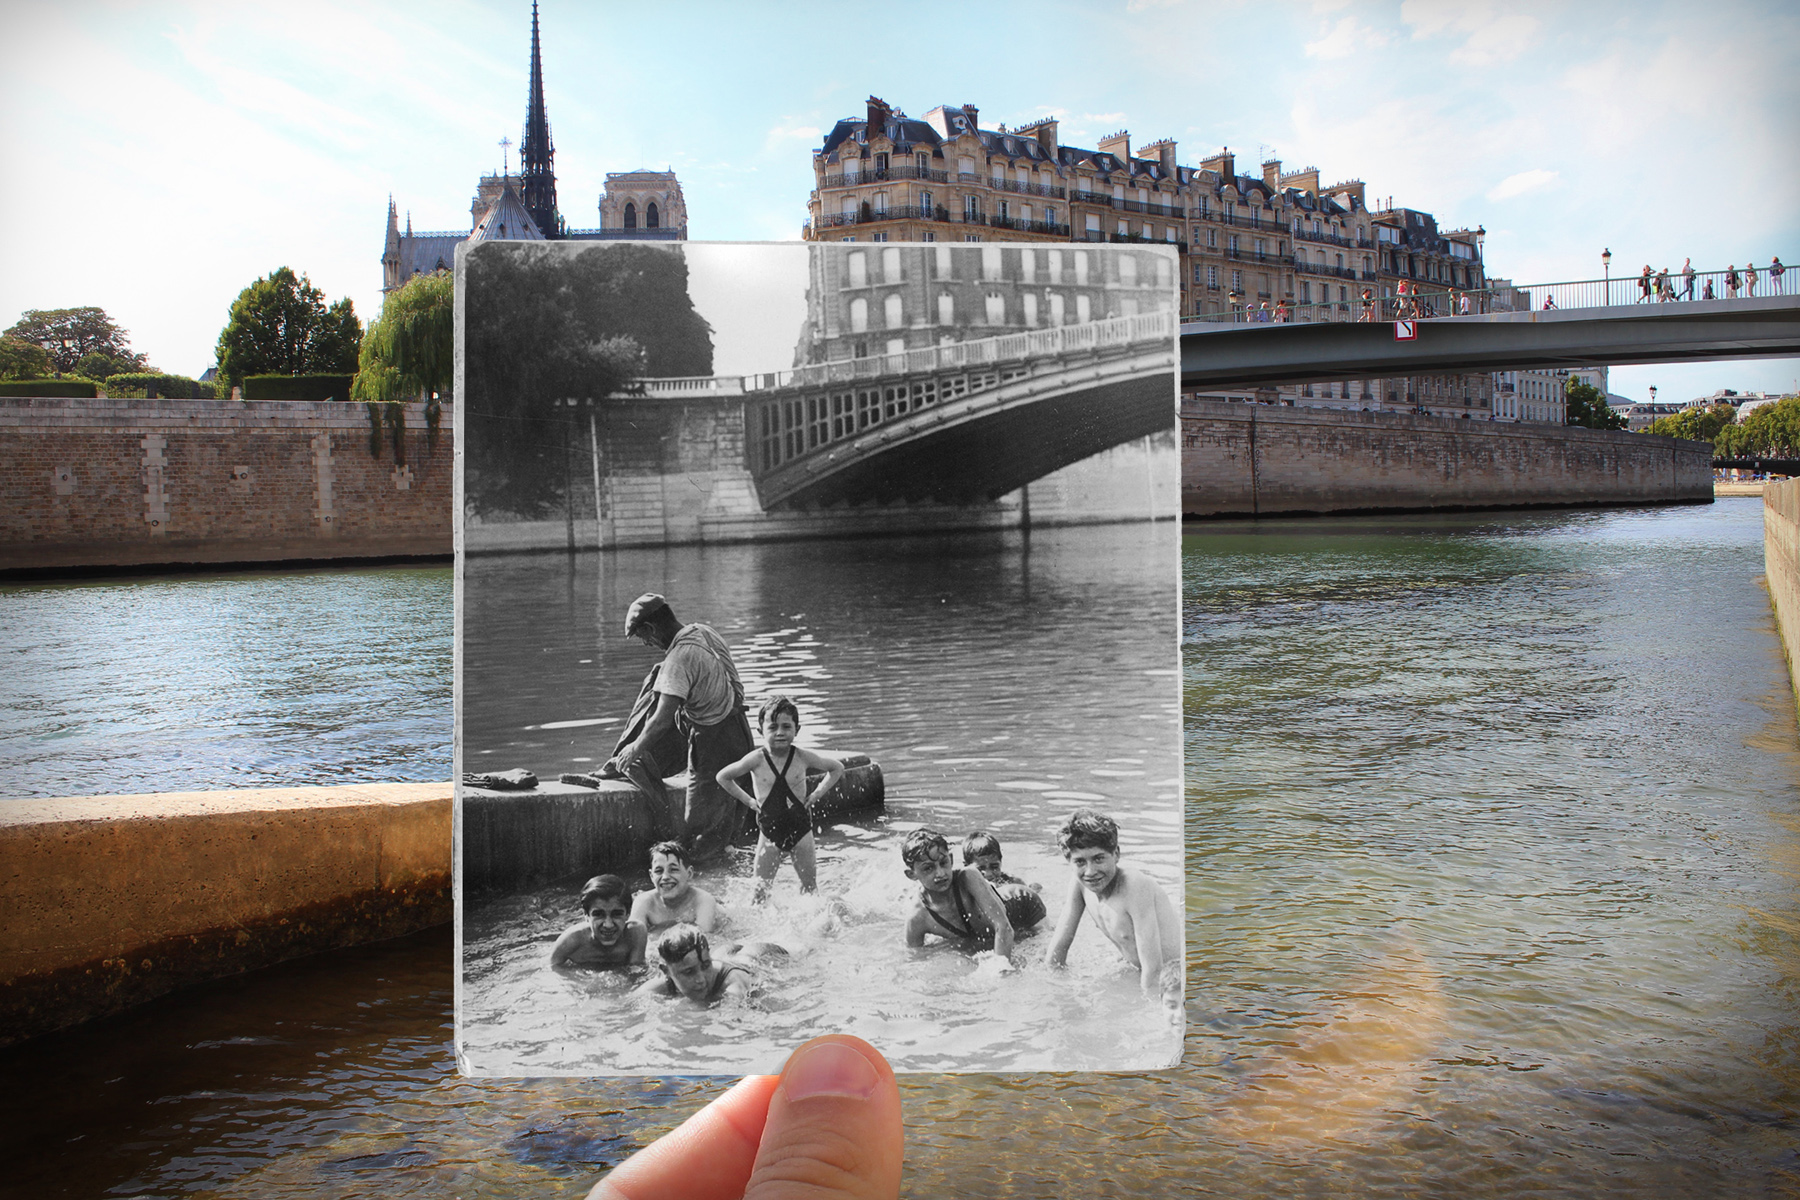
x=164 y=155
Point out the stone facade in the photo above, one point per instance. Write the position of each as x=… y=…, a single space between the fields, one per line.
x=643 y=203
x=135 y=482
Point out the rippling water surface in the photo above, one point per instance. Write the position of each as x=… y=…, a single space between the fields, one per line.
x=264 y=679
x=1493 y=841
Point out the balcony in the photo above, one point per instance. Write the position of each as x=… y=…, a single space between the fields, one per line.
x=1028 y=189
x=882 y=176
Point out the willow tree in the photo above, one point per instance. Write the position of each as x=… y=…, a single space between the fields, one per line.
x=408 y=353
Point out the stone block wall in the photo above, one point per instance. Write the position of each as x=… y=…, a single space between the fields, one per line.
x=1781 y=563
x=1252 y=459
x=96 y=483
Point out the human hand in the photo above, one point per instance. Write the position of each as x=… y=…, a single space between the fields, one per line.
x=827 y=1128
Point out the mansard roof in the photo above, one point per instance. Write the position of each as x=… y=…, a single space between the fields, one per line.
x=507 y=220
x=423 y=253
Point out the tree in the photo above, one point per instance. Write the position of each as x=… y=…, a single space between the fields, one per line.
x=69 y=334
x=20 y=359
x=409 y=351
x=1770 y=431
x=1588 y=408
x=543 y=325
x=98 y=366
x=280 y=325
x=1695 y=424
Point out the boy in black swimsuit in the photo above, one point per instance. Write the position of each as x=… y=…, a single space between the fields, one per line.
x=956 y=903
x=690 y=970
x=782 y=806
x=1024 y=905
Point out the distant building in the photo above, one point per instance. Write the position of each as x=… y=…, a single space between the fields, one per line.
x=1273 y=243
x=646 y=205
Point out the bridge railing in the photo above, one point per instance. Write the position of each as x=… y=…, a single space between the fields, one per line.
x=1424 y=302
x=1008 y=347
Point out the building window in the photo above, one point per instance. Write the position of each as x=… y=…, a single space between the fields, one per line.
x=1196 y=272
x=1084 y=309
x=630 y=215
x=859 y=315
x=1093 y=223
x=965 y=166
x=996 y=309
x=1056 y=308
x=880 y=204
x=1237 y=281
x=924 y=161
x=925 y=205
x=1031 y=308
x=971 y=237
x=990 y=262
x=878 y=237
x=1234 y=244
x=651 y=219
x=971 y=208
x=893 y=312
x=1124 y=228
x=1212 y=277
x=1212 y=239
x=946 y=309
x=881 y=162
x=859 y=269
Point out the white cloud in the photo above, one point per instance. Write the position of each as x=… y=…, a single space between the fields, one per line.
x=1492 y=32
x=1524 y=181
x=1344 y=39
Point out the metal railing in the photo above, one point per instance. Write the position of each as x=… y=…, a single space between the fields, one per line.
x=1429 y=303
x=1028 y=189
x=847 y=179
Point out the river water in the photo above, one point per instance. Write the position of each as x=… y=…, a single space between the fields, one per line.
x=238 y=680
x=1493 y=837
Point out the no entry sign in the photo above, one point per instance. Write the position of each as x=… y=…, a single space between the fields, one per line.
x=1405 y=331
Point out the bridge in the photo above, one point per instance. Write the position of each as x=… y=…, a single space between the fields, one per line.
x=956 y=423
x=1335 y=342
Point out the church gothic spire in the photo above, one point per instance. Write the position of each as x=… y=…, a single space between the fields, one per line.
x=535 y=151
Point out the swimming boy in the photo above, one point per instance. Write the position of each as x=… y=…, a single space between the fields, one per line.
x=673 y=896
x=690 y=969
x=956 y=903
x=1127 y=907
x=1024 y=906
x=782 y=806
x=606 y=938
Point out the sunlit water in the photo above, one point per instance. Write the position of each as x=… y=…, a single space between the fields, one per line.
x=1493 y=844
x=263 y=679
x=1000 y=681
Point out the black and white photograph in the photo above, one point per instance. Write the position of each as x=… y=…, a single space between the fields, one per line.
x=817 y=655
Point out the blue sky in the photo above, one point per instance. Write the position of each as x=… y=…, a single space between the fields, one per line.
x=163 y=155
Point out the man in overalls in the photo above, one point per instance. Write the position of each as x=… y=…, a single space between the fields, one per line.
x=693 y=695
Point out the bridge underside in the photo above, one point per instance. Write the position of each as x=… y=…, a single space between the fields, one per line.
x=1692 y=331
x=1006 y=447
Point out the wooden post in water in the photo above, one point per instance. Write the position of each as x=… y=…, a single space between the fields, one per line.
x=569 y=481
x=594 y=443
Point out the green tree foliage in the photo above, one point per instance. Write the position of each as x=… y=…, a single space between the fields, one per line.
x=20 y=359
x=1588 y=408
x=1695 y=424
x=69 y=334
x=98 y=366
x=281 y=325
x=408 y=353
x=544 y=325
x=1770 y=431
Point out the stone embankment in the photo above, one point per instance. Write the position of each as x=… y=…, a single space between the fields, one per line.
x=108 y=901
x=1263 y=460
x=135 y=483
x=1781 y=563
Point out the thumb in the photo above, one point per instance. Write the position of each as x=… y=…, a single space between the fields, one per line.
x=833 y=1129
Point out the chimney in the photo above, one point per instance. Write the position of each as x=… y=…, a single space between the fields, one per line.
x=1306 y=179
x=1045 y=132
x=1223 y=163
x=1165 y=154
x=878 y=117
x=1272 y=174
x=1117 y=144
x=974 y=114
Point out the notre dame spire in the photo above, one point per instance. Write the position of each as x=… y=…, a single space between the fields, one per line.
x=536 y=152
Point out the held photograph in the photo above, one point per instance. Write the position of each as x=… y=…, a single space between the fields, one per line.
x=817 y=656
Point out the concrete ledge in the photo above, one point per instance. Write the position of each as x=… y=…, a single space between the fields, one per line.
x=109 y=901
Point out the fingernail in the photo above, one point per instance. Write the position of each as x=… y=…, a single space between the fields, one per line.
x=828 y=1069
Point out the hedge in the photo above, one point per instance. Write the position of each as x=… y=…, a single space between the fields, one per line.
x=49 y=387
x=297 y=387
x=170 y=387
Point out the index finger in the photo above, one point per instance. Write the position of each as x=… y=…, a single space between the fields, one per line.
x=707 y=1157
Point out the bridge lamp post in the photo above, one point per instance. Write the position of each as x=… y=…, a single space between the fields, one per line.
x=1606 y=265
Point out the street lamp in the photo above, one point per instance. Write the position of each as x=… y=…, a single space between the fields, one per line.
x=1606 y=265
x=1234 y=297
x=1653 y=393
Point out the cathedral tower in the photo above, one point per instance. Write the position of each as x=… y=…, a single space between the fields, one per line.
x=535 y=151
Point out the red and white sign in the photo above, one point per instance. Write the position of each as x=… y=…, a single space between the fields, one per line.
x=1405 y=331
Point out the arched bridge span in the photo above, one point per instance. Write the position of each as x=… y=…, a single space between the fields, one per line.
x=961 y=422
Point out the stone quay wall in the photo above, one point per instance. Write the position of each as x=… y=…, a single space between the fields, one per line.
x=1260 y=460
x=1781 y=563
x=125 y=483
x=674 y=473
x=108 y=901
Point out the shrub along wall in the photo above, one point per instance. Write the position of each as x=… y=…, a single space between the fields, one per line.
x=140 y=384
x=297 y=387
x=49 y=387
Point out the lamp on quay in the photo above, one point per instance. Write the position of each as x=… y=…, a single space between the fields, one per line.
x=1606 y=266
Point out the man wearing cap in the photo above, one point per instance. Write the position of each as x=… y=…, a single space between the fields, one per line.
x=698 y=694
